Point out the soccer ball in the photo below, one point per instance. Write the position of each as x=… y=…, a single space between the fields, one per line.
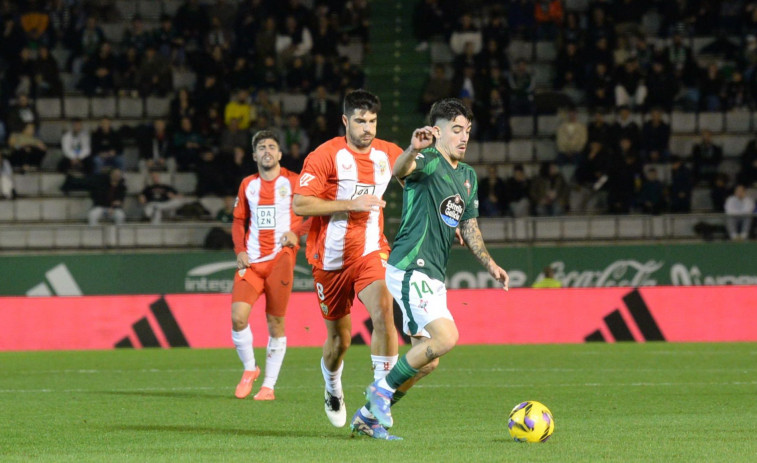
x=531 y=421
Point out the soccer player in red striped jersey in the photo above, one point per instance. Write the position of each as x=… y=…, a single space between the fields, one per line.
x=340 y=187
x=266 y=236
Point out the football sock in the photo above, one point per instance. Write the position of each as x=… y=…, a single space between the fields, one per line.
x=401 y=372
x=243 y=342
x=333 y=379
x=275 y=352
x=397 y=396
x=382 y=364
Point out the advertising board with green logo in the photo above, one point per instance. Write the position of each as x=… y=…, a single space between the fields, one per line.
x=212 y=272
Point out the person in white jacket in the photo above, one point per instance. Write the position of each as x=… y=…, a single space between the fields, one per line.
x=76 y=149
x=739 y=208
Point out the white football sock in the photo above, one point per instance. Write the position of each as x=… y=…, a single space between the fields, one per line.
x=382 y=364
x=333 y=379
x=277 y=348
x=243 y=341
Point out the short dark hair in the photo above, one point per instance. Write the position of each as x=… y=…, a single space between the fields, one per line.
x=264 y=135
x=361 y=99
x=448 y=109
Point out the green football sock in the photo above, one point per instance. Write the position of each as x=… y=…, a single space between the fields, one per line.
x=401 y=372
x=397 y=396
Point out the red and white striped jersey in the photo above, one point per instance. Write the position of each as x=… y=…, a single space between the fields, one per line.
x=265 y=208
x=334 y=172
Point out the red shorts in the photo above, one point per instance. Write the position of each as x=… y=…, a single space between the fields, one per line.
x=336 y=289
x=273 y=278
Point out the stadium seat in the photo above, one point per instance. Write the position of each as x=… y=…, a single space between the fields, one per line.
x=712 y=121
x=352 y=51
x=293 y=103
x=738 y=120
x=170 y=6
x=68 y=81
x=522 y=126
x=76 y=106
x=131 y=158
x=520 y=151
x=157 y=106
x=114 y=32
x=40 y=238
x=6 y=211
x=149 y=236
x=54 y=209
x=92 y=237
x=576 y=5
x=631 y=227
x=77 y=208
x=27 y=185
x=183 y=79
x=520 y=49
x=546 y=51
x=493 y=152
x=545 y=150
x=544 y=74
x=473 y=152
x=547 y=124
x=51 y=132
x=50 y=183
x=135 y=182
x=492 y=229
x=682 y=145
x=130 y=108
x=185 y=182
x=733 y=144
x=150 y=10
x=51 y=159
x=49 y=108
x=577 y=229
x=683 y=122
x=212 y=204
x=441 y=53
x=103 y=107
x=701 y=201
x=67 y=237
x=28 y=210
x=127 y=9
x=547 y=229
x=13 y=239
x=602 y=228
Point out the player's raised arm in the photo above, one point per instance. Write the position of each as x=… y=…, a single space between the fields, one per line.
x=472 y=236
x=314 y=206
x=405 y=164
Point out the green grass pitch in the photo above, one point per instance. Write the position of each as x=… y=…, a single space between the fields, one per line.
x=611 y=402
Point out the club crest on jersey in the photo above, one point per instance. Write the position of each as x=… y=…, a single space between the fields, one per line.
x=451 y=210
x=467 y=186
x=382 y=167
x=284 y=191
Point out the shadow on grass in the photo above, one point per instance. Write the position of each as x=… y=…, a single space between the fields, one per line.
x=226 y=431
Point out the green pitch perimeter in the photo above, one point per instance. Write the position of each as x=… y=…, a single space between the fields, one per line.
x=611 y=402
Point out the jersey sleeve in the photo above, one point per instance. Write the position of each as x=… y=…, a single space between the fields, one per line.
x=471 y=208
x=241 y=218
x=316 y=170
x=421 y=166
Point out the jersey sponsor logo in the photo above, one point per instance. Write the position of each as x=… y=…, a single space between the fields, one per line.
x=420 y=262
x=347 y=167
x=451 y=210
x=306 y=178
x=266 y=217
x=363 y=189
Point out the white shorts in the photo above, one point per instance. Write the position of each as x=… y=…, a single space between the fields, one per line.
x=421 y=298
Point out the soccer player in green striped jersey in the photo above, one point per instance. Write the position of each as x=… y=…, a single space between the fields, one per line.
x=440 y=195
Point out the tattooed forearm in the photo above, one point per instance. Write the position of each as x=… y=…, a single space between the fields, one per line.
x=475 y=242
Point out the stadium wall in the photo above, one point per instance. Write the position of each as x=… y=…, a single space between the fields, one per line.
x=212 y=272
x=485 y=316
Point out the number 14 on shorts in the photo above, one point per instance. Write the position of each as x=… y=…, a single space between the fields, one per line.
x=421 y=289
